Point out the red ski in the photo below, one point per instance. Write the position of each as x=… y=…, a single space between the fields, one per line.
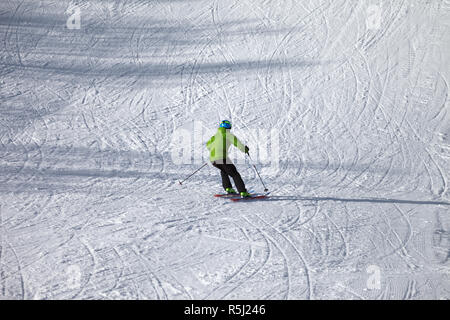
x=249 y=198
x=228 y=195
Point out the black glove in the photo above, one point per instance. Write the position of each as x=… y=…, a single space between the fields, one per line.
x=246 y=149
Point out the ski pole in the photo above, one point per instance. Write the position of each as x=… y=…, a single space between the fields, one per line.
x=265 y=189
x=181 y=182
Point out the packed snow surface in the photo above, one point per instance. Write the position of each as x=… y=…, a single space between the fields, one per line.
x=351 y=96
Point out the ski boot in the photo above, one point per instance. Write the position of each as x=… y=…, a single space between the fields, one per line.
x=245 y=194
x=230 y=191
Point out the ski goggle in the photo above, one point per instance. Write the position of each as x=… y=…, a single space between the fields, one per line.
x=225 y=124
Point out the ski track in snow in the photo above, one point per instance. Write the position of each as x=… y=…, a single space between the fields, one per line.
x=90 y=207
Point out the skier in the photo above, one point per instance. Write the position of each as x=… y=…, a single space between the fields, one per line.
x=218 y=147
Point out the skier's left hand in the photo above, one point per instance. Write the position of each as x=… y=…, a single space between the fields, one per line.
x=246 y=149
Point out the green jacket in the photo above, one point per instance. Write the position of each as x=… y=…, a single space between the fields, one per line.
x=219 y=144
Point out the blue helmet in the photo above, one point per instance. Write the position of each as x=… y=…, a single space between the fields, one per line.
x=225 y=124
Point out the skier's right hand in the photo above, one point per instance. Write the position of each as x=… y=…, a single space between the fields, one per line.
x=246 y=149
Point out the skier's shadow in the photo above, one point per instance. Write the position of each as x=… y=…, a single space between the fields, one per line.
x=369 y=200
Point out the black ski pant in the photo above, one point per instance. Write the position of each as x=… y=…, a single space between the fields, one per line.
x=229 y=170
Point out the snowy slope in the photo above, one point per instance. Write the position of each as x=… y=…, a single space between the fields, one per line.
x=90 y=207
